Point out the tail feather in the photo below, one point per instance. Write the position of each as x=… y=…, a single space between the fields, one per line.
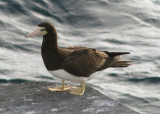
x=113 y=54
x=114 y=60
x=121 y=64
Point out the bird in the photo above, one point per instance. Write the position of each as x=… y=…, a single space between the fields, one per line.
x=76 y=63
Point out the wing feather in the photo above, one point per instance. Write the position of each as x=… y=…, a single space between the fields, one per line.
x=84 y=61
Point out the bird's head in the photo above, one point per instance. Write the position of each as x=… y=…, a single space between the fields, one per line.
x=42 y=30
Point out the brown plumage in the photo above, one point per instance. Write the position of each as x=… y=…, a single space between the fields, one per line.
x=79 y=61
x=74 y=61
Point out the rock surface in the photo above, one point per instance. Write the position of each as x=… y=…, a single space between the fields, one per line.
x=33 y=98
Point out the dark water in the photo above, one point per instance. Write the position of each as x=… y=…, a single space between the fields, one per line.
x=113 y=25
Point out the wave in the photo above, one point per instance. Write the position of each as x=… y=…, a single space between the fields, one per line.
x=145 y=80
x=13 y=81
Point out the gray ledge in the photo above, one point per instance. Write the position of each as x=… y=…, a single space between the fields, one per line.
x=33 y=98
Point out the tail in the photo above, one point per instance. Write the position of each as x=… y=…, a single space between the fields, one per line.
x=113 y=54
x=115 y=61
x=121 y=63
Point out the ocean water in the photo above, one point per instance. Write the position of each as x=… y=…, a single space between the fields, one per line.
x=114 y=25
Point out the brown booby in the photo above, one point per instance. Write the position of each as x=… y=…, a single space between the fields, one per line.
x=78 y=64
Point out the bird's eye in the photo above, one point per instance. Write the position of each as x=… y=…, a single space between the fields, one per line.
x=43 y=29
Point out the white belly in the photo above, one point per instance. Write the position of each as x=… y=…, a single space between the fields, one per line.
x=62 y=74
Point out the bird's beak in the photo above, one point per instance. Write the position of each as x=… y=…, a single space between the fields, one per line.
x=36 y=32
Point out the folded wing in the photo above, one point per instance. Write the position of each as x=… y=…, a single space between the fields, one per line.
x=84 y=61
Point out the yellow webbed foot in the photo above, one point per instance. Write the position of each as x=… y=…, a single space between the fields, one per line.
x=78 y=91
x=61 y=88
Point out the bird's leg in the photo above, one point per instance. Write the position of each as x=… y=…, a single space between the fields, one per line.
x=79 y=91
x=61 y=88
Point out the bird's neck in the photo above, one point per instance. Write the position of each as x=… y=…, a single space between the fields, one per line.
x=50 y=53
x=50 y=42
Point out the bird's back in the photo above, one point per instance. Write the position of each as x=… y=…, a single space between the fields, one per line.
x=82 y=61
